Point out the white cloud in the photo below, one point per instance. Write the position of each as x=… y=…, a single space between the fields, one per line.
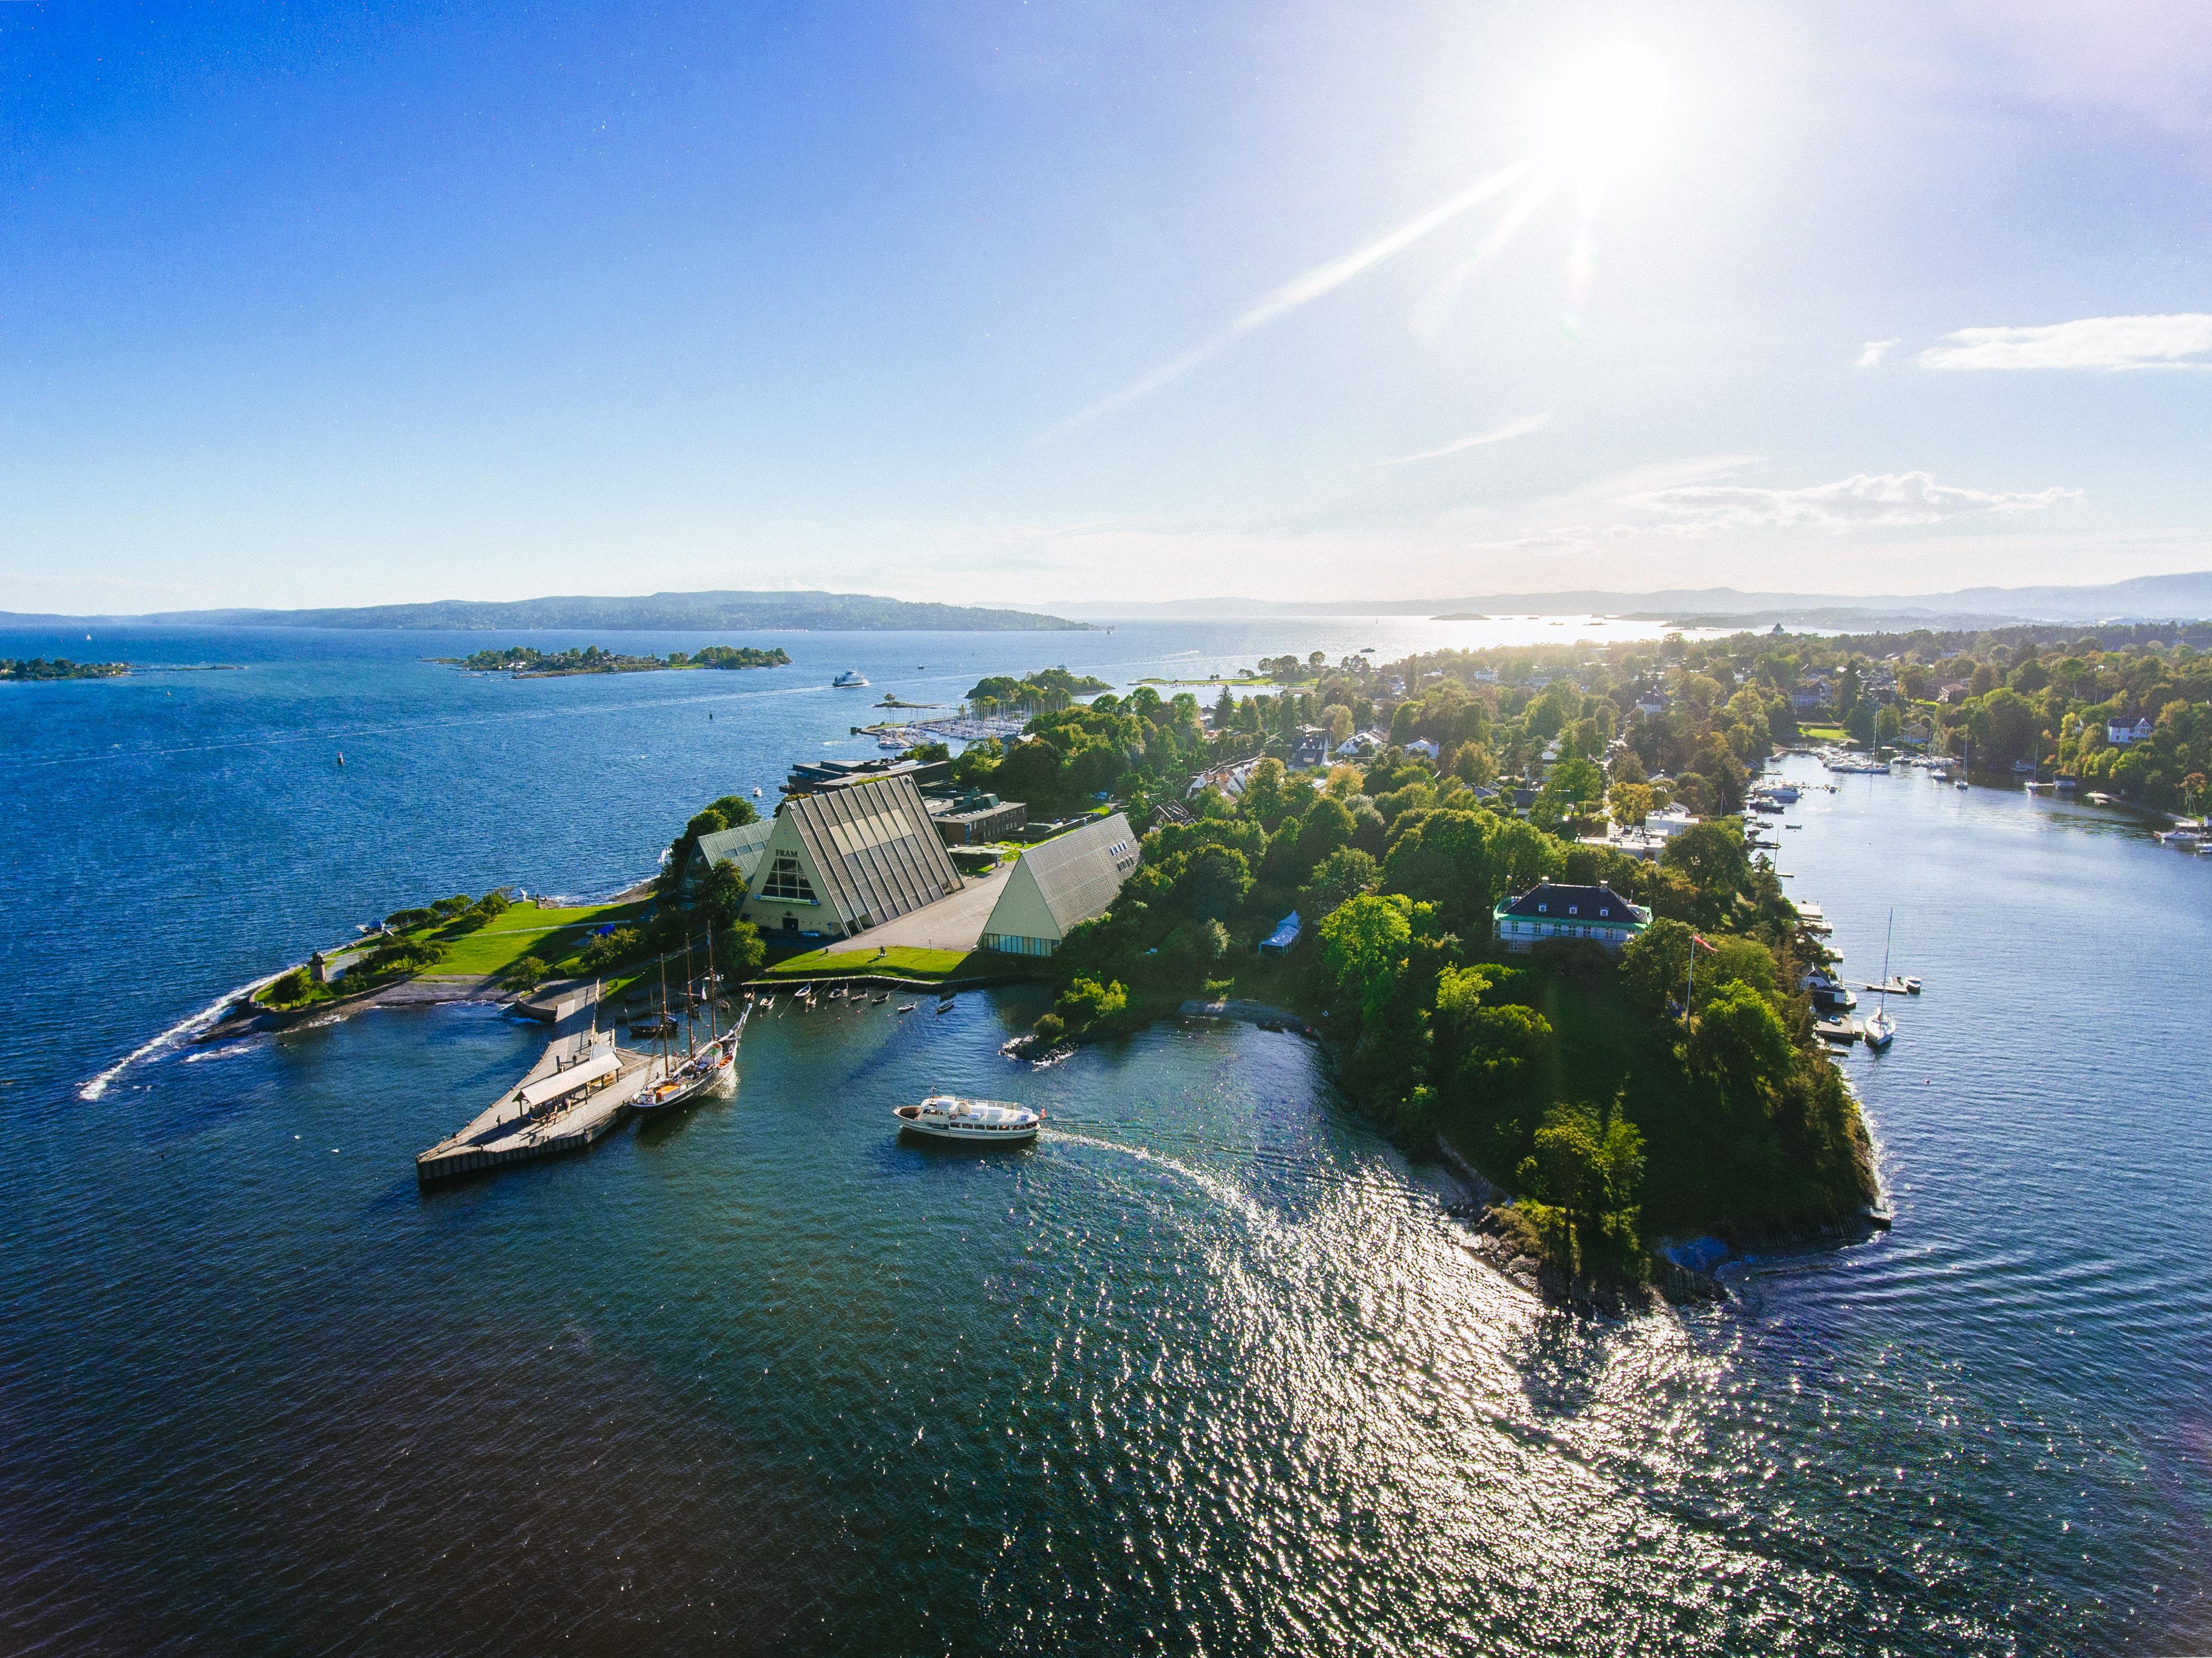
x=1874 y=351
x=1512 y=428
x=2179 y=341
x=1892 y=500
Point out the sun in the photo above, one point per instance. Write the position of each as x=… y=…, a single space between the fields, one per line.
x=1605 y=115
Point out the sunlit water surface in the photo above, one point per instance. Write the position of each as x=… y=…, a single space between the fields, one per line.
x=1211 y=1368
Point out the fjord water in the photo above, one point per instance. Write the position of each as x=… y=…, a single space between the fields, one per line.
x=1210 y=1368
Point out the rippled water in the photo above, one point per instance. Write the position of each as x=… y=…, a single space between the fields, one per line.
x=1210 y=1368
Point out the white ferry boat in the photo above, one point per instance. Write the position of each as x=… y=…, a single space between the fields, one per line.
x=851 y=680
x=948 y=1117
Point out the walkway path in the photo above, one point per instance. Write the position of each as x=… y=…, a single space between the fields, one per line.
x=954 y=923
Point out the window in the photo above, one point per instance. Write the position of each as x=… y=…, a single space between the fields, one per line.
x=786 y=880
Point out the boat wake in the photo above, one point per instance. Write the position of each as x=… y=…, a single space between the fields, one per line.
x=174 y=1037
x=1230 y=1197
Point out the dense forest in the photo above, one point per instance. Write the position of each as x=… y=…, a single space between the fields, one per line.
x=1619 y=1099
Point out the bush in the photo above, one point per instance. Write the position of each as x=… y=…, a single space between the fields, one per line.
x=1086 y=1001
x=293 y=987
x=1049 y=1028
x=525 y=975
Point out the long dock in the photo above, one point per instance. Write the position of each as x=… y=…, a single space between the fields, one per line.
x=579 y=1092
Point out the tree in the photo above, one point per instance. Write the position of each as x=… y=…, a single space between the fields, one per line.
x=2005 y=727
x=1442 y=858
x=1086 y=1001
x=1740 y=1039
x=1364 y=944
x=1713 y=857
x=1214 y=883
x=1629 y=804
x=1655 y=963
x=1338 y=719
x=1343 y=875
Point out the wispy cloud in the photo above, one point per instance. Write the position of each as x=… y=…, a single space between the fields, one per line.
x=1875 y=350
x=1864 y=501
x=1322 y=279
x=2179 y=341
x=1512 y=428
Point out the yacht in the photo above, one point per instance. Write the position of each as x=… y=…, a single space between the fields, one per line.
x=948 y=1117
x=1879 y=1031
x=851 y=680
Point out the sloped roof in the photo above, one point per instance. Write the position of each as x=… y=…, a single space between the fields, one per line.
x=874 y=848
x=1078 y=873
x=741 y=846
x=1557 y=902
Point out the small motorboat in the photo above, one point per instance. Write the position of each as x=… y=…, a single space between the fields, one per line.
x=908 y=1007
x=1960 y=784
x=1911 y=985
x=948 y=1117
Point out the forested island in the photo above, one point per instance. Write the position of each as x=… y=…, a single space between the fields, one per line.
x=1045 y=690
x=60 y=667
x=523 y=662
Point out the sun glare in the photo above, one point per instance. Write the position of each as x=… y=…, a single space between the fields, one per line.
x=1604 y=115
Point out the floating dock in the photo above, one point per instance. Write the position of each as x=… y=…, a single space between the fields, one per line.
x=579 y=1092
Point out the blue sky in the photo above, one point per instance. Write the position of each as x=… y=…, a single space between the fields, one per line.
x=331 y=304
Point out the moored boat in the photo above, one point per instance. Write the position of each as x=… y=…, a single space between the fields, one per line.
x=1879 y=1031
x=950 y=1117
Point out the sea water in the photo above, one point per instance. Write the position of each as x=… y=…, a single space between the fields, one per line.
x=1211 y=1368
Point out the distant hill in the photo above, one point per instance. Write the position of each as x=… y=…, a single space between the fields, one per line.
x=2144 y=598
x=724 y=612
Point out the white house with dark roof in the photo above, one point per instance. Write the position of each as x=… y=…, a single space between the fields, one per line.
x=1060 y=883
x=1551 y=910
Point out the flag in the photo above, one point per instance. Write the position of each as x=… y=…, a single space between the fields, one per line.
x=1699 y=939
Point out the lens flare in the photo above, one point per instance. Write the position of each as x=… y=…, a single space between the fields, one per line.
x=1604 y=118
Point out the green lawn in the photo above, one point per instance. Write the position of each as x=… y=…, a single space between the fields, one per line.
x=548 y=934
x=905 y=964
x=1824 y=733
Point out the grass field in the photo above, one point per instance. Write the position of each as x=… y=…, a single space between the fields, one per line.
x=1824 y=733
x=905 y=964
x=548 y=934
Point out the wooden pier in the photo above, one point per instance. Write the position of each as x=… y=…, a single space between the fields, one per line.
x=577 y=1092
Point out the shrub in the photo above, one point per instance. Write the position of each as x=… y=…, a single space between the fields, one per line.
x=1086 y=1001
x=293 y=987
x=1049 y=1028
x=525 y=975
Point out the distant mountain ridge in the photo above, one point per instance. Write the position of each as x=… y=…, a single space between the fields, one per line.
x=721 y=612
x=2145 y=598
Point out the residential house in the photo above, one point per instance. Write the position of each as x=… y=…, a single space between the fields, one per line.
x=1551 y=910
x=2120 y=734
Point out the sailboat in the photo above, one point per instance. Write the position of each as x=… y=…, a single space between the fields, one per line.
x=1881 y=1030
x=701 y=1068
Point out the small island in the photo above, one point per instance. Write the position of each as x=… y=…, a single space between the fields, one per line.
x=526 y=662
x=26 y=668
x=1048 y=690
